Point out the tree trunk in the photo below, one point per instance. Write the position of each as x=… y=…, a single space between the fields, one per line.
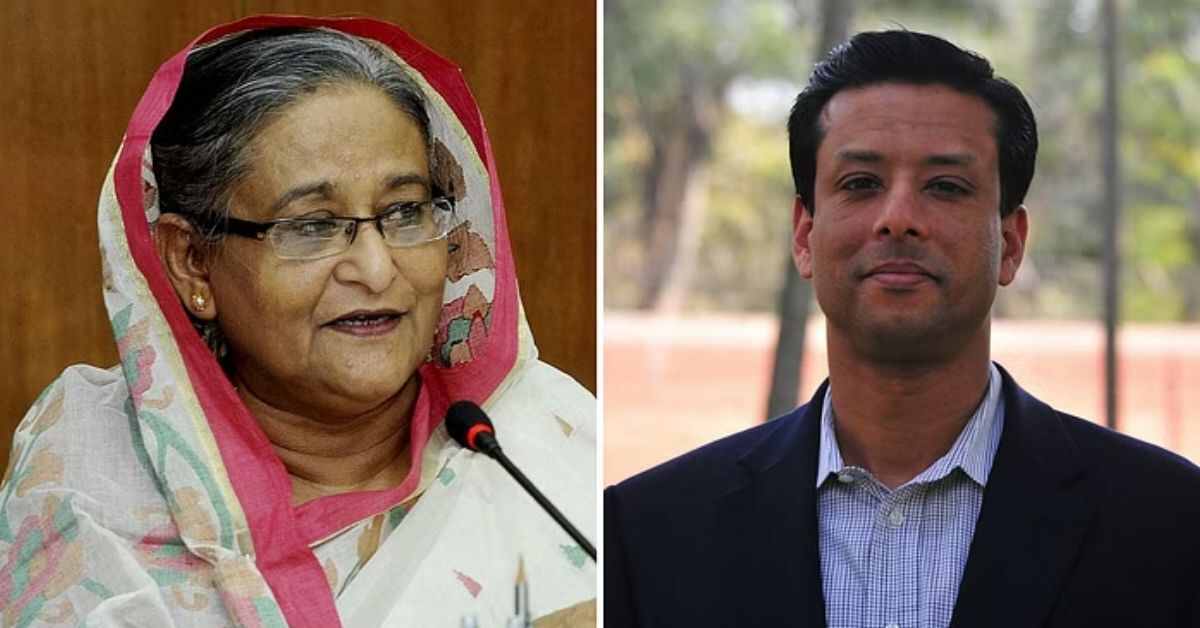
x=672 y=296
x=674 y=194
x=1191 y=283
x=1112 y=207
x=796 y=295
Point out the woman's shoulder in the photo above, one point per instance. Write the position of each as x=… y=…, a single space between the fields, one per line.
x=82 y=396
x=78 y=441
x=82 y=506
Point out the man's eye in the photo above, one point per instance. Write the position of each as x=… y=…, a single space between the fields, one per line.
x=948 y=188
x=860 y=184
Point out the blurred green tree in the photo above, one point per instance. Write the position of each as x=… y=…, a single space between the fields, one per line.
x=668 y=69
x=697 y=191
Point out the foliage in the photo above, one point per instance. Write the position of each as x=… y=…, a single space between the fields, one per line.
x=755 y=55
x=668 y=68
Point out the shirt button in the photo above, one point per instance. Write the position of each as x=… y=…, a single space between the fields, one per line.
x=893 y=625
x=897 y=519
x=845 y=477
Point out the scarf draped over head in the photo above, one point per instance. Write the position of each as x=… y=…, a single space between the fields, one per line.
x=226 y=489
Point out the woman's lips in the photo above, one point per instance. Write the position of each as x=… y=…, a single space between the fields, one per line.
x=366 y=325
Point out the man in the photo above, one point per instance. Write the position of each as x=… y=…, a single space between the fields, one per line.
x=921 y=486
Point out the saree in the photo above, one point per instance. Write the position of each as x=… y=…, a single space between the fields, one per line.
x=147 y=494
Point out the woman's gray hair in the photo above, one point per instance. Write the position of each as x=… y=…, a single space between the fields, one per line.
x=231 y=88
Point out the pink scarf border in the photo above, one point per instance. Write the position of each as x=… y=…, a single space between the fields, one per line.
x=281 y=533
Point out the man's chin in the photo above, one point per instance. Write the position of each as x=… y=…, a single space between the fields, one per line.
x=903 y=342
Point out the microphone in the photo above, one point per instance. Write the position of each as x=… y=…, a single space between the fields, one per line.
x=471 y=427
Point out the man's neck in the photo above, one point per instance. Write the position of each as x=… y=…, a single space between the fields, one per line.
x=365 y=452
x=897 y=421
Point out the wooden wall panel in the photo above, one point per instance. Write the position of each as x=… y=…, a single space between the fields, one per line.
x=72 y=71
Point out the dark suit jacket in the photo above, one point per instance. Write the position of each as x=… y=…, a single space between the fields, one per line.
x=1080 y=526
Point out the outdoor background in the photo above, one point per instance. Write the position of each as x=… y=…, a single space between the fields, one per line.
x=698 y=199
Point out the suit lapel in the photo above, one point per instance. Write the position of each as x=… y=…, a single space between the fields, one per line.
x=768 y=528
x=1034 y=516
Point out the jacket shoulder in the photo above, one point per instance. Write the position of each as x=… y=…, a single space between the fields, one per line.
x=707 y=472
x=1125 y=460
x=1116 y=460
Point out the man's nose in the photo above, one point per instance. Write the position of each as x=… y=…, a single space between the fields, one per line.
x=901 y=214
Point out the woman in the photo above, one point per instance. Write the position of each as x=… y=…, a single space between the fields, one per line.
x=305 y=263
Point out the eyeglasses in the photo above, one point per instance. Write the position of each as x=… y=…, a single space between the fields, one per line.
x=402 y=225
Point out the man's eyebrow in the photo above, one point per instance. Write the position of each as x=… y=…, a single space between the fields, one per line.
x=938 y=159
x=950 y=159
x=861 y=156
x=323 y=189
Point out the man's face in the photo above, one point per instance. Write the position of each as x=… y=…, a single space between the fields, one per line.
x=905 y=244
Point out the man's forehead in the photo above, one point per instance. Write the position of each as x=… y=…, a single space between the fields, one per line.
x=868 y=156
x=949 y=127
x=902 y=94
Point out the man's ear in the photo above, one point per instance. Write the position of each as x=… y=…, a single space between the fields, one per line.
x=186 y=256
x=802 y=224
x=1014 y=231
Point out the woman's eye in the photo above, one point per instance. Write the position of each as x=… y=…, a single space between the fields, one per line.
x=408 y=213
x=315 y=228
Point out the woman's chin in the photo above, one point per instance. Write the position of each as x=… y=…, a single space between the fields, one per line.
x=364 y=394
x=357 y=393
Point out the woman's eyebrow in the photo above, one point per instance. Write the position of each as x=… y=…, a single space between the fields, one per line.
x=401 y=180
x=324 y=189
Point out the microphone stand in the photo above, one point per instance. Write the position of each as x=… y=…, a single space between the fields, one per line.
x=491 y=448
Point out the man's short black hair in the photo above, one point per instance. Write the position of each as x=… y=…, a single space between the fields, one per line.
x=900 y=56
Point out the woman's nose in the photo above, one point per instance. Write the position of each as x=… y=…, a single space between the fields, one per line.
x=368 y=261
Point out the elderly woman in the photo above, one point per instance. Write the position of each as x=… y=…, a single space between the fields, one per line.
x=305 y=262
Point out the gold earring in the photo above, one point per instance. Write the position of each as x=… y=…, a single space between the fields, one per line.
x=199 y=302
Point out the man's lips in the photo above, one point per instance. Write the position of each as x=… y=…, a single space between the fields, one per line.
x=900 y=274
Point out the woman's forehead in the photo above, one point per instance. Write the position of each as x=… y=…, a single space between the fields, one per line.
x=337 y=120
x=337 y=141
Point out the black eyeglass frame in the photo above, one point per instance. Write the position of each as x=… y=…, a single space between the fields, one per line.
x=258 y=230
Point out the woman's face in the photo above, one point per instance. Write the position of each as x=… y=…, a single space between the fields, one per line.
x=344 y=150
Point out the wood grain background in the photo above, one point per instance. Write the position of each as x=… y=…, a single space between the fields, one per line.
x=72 y=71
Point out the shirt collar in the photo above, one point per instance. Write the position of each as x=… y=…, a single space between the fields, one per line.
x=973 y=450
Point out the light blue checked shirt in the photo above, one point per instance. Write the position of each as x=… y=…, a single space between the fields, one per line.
x=894 y=559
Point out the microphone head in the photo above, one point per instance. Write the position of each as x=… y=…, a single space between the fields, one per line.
x=466 y=421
